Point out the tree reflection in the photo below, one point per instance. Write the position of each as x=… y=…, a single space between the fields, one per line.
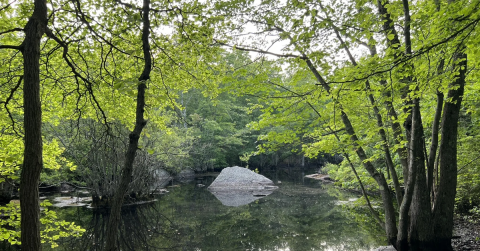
x=142 y=228
x=300 y=215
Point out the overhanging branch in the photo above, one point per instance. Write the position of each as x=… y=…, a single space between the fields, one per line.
x=11 y=30
x=414 y=55
x=7 y=46
x=259 y=51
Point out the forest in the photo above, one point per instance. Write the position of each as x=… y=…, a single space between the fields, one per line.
x=107 y=95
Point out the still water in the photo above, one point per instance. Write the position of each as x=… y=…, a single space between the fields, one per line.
x=301 y=215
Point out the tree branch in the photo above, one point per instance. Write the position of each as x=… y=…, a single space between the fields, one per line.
x=8 y=5
x=88 y=83
x=12 y=92
x=412 y=56
x=259 y=50
x=7 y=46
x=11 y=30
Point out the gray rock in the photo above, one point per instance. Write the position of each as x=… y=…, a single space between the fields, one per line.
x=161 y=179
x=385 y=248
x=238 y=186
x=239 y=178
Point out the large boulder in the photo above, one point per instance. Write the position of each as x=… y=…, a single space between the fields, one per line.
x=240 y=178
x=238 y=186
x=161 y=179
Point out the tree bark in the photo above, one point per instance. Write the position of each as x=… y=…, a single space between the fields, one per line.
x=420 y=233
x=140 y=122
x=434 y=145
x=445 y=197
x=32 y=162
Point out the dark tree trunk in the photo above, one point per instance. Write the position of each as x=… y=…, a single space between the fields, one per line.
x=140 y=122
x=6 y=191
x=445 y=197
x=32 y=163
x=420 y=233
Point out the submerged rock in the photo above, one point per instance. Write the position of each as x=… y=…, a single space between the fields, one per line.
x=238 y=186
x=71 y=201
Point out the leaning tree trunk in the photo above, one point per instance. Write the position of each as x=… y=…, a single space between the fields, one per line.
x=32 y=162
x=140 y=122
x=390 y=217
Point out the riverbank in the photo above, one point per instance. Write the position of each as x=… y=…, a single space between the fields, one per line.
x=469 y=232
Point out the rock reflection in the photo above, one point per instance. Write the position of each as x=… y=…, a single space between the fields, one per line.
x=236 y=198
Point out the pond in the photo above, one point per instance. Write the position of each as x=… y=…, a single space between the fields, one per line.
x=301 y=215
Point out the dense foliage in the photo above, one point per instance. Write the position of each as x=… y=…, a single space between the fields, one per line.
x=391 y=87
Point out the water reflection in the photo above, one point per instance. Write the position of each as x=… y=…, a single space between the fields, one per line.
x=238 y=198
x=299 y=216
x=140 y=226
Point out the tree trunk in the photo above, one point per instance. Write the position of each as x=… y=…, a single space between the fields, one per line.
x=445 y=197
x=6 y=191
x=33 y=162
x=390 y=221
x=434 y=146
x=115 y=213
x=378 y=116
x=420 y=233
x=390 y=218
x=389 y=28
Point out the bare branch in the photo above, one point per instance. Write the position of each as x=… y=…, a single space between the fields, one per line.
x=11 y=30
x=259 y=51
x=131 y=6
x=6 y=7
x=88 y=83
x=12 y=92
x=420 y=52
x=7 y=46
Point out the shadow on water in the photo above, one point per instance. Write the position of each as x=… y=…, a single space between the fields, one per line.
x=299 y=216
